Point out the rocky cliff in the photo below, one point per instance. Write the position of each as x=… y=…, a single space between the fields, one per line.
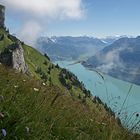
x=2 y=15
x=18 y=61
x=13 y=56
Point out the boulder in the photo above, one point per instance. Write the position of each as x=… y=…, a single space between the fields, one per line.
x=13 y=56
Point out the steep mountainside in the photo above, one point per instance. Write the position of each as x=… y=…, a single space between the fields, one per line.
x=41 y=101
x=120 y=60
x=69 y=48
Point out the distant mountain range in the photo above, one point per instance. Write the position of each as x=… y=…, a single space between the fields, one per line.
x=70 y=48
x=120 y=59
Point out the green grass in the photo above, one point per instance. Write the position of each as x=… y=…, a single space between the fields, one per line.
x=35 y=59
x=5 y=42
x=53 y=112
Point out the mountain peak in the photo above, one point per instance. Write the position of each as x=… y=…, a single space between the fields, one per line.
x=138 y=37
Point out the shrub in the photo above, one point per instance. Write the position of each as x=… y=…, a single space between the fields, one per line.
x=47 y=56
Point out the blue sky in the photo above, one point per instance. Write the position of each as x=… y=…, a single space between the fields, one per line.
x=100 y=18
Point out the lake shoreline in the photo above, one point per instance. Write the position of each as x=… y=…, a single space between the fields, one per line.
x=110 y=90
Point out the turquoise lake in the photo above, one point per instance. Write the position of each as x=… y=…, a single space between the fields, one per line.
x=119 y=95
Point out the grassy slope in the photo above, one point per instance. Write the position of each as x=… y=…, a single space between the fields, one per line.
x=50 y=113
x=5 y=41
x=36 y=59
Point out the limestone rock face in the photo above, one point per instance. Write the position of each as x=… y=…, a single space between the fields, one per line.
x=18 y=61
x=2 y=15
x=13 y=56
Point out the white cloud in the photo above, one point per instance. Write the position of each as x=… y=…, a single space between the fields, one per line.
x=29 y=32
x=36 y=13
x=50 y=8
x=112 y=56
x=111 y=60
x=106 y=67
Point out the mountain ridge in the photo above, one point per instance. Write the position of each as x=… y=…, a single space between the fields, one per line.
x=68 y=47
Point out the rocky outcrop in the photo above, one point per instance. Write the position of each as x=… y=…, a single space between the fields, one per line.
x=2 y=15
x=13 y=56
x=18 y=59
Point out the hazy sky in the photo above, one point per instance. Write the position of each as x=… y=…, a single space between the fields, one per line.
x=98 y=18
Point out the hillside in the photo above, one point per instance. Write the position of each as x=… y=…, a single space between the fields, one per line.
x=120 y=59
x=51 y=113
x=41 y=101
x=69 y=48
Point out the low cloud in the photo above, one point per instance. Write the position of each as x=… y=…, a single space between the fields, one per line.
x=111 y=60
x=29 y=32
x=40 y=11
